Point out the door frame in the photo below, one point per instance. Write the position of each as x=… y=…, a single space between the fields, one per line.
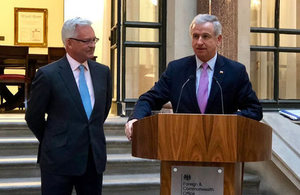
x=124 y=106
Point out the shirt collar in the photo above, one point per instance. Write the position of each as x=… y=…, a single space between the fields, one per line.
x=211 y=63
x=74 y=64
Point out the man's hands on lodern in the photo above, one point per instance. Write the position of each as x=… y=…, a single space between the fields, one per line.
x=128 y=128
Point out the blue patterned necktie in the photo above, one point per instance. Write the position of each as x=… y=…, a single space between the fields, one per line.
x=84 y=92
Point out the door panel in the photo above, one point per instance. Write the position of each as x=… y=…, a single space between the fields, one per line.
x=141 y=70
x=137 y=48
x=142 y=10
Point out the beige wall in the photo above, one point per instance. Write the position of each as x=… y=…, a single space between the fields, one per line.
x=105 y=44
x=55 y=20
x=99 y=14
x=179 y=16
x=243 y=42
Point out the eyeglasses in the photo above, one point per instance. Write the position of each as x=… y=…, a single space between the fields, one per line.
x=90 y=41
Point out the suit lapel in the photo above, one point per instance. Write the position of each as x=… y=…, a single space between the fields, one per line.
x=69 y=80
x=218 y=75
x=96 y=80
x=192 y=84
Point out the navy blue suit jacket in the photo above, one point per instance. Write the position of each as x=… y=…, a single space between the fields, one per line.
x=66 y=135
x=238 y=96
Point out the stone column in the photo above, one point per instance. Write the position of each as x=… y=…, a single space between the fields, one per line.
x=227 y=12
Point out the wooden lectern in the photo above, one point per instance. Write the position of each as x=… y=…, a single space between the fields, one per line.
x=202 y=140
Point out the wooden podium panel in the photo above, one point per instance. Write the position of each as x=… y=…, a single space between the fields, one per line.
x=202 y=140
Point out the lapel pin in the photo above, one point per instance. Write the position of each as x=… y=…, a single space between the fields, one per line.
x=221 y=72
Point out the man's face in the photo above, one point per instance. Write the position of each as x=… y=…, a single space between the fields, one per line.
x=204 y=41
x=80 y=50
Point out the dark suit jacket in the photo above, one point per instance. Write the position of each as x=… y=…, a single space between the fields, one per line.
x=238 y=96
x=66 y=134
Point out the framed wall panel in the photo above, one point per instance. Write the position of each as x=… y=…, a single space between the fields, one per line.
x=31 y=26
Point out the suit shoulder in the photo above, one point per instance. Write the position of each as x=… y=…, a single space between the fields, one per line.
x=231 y=63
x=49 y=68
x=98 y=65
x=183 y=61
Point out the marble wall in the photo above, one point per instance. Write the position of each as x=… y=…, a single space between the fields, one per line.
x=234 y=16
x=226 y=11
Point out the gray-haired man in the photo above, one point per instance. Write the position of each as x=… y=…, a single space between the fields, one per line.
x=75 y=93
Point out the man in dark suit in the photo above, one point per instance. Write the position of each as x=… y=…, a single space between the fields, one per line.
x=75 y=93
x=205 y=83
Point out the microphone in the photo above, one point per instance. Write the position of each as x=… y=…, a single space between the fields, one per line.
x=222 y=101
x=191 y=77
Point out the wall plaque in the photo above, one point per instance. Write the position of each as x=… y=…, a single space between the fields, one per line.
x=193 y=180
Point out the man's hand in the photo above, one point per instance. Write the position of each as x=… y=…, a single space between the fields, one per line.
x=128 y=128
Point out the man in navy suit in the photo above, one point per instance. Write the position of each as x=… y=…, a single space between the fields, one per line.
x=74 y=93
x=227 y=90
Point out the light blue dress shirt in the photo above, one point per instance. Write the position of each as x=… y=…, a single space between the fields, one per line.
x=211 y=66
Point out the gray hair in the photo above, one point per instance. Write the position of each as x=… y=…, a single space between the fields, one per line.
x=69 y=28
x=203 y=18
